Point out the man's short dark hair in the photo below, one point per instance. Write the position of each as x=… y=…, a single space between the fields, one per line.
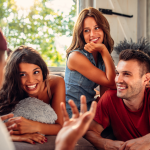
x=142 y=58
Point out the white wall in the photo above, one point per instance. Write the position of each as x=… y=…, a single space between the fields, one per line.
x=123 y=27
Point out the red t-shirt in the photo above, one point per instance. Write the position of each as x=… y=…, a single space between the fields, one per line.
x=125 y=123
x=3 y=43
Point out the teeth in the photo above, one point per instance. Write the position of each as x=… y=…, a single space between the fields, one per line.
x=94 y=39
x=121 y=87
x=32 y=86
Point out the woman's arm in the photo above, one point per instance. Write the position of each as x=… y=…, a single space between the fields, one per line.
x=57 y=86
x=80 y=63
x=30 y=138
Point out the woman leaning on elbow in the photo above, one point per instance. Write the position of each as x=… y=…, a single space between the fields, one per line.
x=89 y=62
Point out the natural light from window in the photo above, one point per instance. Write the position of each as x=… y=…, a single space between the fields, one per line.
x=45 y=25
x=25 y=4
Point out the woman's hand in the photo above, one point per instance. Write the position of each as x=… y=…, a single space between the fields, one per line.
x=10 y=124
x=30 y=138
x=24 y=126
x=91 y=47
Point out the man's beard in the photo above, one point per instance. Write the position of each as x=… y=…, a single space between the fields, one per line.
x=132 y=91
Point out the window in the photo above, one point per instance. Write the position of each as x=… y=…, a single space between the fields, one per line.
x=45 y=25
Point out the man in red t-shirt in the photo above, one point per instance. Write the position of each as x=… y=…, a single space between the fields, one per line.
x=127 y=109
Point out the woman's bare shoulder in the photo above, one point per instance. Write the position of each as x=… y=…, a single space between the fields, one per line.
x=57 y=87
x=74 y=60
x=75 y=55
x=55 y=80
x=55 y=77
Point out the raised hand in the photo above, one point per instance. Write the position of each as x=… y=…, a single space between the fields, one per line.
x=74 y=128
x=30 y=138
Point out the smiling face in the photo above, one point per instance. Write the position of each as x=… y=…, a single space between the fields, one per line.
x=31 y=79
x=128 y=80
x=91 y=31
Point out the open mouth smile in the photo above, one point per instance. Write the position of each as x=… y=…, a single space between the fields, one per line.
x=121 y=87
x=94 y=40
x=31 y=87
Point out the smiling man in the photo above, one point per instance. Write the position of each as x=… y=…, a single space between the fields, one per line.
x=127 y=109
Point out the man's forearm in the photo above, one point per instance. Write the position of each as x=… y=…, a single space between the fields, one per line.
x=102 y=143
x=141 y=143
x=143 y=139
x=96 y=140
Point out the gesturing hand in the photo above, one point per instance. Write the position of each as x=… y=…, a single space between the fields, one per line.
x=74 y=128
x=91 y=47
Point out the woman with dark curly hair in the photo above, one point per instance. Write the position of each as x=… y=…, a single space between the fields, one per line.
x=89 y=62
x=26 y=75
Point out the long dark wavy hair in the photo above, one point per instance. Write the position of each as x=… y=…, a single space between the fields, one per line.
x=78 y=39
x=11 y=92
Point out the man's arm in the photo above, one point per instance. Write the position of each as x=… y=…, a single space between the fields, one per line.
x=141 y=143
x=93 y=135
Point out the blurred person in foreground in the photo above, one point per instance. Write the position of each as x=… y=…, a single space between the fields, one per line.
x=5 y=141
x=73 y=129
